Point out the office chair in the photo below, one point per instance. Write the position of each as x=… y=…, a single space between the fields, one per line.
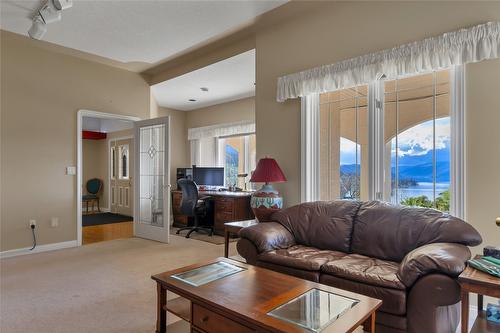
x=193 y=206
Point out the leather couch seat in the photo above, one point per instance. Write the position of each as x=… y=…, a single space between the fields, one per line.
x=357 y=267
x=301 y=257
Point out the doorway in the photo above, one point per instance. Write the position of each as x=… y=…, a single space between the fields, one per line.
x=137 y=169
x=107 y=187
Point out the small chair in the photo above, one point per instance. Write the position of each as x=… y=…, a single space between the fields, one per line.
x=193 y=206
x=93 y=187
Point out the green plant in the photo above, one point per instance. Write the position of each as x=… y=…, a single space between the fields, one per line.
x=442 y=201
x=420 y=201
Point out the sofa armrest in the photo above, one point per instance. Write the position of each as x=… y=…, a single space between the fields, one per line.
x=445 y=258
x=267 y=236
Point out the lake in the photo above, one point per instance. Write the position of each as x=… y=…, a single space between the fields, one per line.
x=421 y=189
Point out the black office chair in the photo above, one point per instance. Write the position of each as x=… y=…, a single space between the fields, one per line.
x=193 y=206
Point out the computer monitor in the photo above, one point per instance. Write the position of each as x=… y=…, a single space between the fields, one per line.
x=208 y=176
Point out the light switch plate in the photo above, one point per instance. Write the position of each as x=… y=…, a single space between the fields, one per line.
x=71 y=170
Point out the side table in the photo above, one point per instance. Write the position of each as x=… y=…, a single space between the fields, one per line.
x=474 y=281
x=234 y=228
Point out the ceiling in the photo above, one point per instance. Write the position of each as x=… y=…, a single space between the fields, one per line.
x=105 y=125
x=228 y=80
x=136 y=31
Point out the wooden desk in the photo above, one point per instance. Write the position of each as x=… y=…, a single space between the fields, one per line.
x=228 y=207
x=474 y=281
x=239 y=303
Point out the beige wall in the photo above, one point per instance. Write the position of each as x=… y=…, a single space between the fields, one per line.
x=342 y=30
x=483 y=154
x=41 y=92
x=242 y=109
x=179 y=149
x=95 y=165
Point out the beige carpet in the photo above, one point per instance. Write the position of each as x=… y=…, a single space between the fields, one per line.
x=101 y=287
x=214 y=239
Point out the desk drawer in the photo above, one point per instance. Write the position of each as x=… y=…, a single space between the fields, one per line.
x=222 y=217
x=212 y=322
x=223 y=204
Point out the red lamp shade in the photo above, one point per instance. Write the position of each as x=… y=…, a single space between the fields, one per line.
x=267 y=171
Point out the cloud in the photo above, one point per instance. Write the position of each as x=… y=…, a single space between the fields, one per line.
x=419 y=140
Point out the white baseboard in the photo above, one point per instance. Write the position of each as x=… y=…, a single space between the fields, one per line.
x=38 y=249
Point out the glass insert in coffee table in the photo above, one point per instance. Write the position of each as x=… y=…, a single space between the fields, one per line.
x=205 y=274
x=314 y=310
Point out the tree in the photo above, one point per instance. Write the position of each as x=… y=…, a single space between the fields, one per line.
x=442 y=201
x=420 y=201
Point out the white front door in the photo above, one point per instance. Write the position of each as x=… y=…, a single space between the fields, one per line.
x=152 y=188
x=121 y=176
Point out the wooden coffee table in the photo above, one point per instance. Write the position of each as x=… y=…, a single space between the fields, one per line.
x=241 y=302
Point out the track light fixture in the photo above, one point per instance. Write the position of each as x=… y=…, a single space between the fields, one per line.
x=38 y=28
x=49 y=12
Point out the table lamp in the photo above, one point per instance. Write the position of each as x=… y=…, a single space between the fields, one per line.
x=267 y=200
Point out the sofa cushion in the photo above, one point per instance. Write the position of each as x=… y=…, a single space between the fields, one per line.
x=389 y=232
x=301 y=257
x=393 y=300
x=360 y=268
x=300 y=273
x=321 y=224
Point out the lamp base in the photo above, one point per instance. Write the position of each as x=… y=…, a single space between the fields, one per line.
x=265 y=202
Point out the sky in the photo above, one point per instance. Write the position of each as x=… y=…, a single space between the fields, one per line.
x=415 y=141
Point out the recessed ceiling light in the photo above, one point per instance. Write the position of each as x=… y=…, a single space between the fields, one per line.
x=192 y=100
x=204 y=89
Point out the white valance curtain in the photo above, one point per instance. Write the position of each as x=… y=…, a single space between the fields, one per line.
x=454 y=48
x=215 y=131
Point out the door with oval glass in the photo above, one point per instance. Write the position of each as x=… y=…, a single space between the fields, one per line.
x=121 y=170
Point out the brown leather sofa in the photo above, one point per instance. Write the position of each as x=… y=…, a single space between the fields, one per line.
x=407 y=257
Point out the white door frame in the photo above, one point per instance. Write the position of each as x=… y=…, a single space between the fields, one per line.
x=79 y=123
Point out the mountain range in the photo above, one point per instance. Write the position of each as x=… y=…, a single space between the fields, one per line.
x=417 y=167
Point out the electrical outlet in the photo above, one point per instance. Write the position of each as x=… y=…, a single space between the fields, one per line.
x=32 y=223
x=54 y=222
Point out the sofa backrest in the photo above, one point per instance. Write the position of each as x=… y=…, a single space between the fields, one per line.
x=389 y=232
x=326 y=225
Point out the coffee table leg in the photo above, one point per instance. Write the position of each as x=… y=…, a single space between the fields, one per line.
x=465 y=311
x=226 y=244
x=369 y=324
x=161 y=313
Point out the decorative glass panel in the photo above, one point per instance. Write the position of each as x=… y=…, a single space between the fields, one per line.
x=123 y=162
x=113 y=159
x=205 y=274
x=152 y=161
x=314 y=310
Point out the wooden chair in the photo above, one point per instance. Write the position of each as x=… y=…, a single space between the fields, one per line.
x=93 y=187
